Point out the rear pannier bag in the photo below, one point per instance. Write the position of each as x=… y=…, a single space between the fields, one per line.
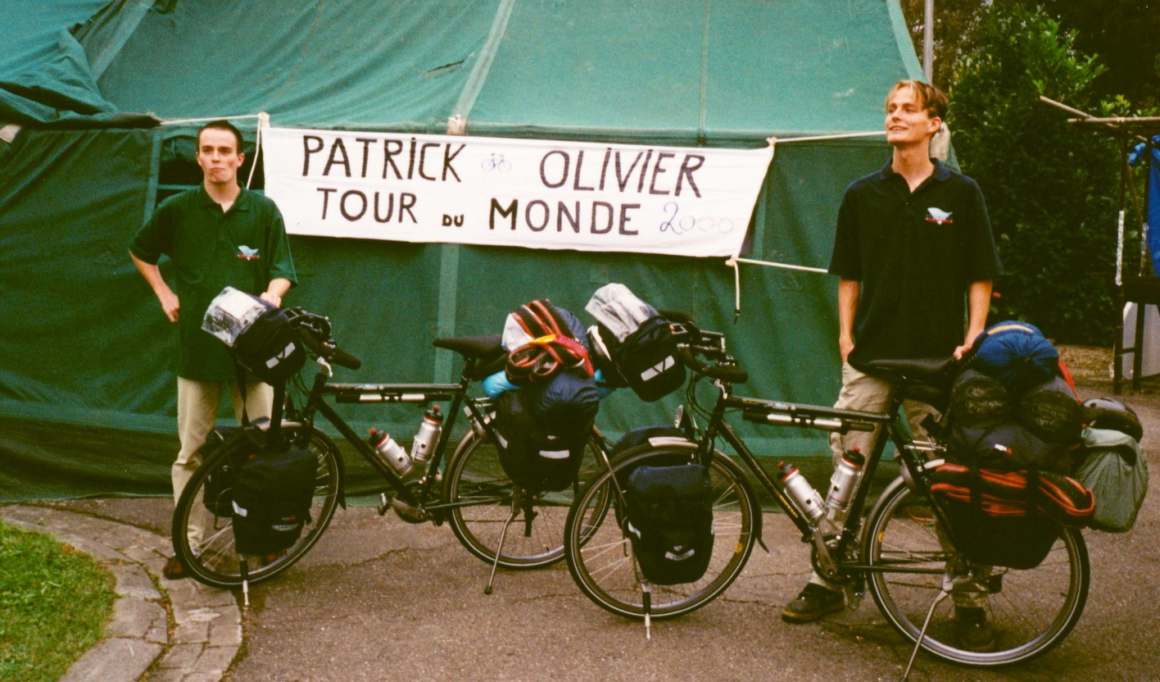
x=271 y=499
x=261 y=337
x=1009 y=518
x=1117 y=472
x=541 y=453
x=635 y=340
x=670 y=522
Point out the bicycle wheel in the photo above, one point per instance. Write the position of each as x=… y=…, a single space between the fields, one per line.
x=1030 y=611
x=203 y=537
x=600 y=555
x=485 y=499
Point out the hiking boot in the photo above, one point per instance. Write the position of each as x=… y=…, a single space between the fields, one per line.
x=973 y=630
x=814 y=602
x=174 y=570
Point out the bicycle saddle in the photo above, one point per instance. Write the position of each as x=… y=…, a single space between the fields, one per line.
x=472 y=346
x=925 y=370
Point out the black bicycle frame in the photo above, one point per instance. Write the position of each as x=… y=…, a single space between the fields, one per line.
x=396 y=393
x=827 y=419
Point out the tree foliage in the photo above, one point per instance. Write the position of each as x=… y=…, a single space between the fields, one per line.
x=1121 y=33
x=1051 y=188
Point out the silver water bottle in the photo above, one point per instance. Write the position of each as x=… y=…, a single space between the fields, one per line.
x=844 y=478
x=807 y=500
x=428 y=436
x=390 y=453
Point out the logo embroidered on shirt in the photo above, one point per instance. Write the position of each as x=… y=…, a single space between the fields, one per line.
x=937 y=215
x=246 y=253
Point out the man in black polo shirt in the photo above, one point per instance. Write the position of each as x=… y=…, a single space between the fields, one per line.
x=915 y=259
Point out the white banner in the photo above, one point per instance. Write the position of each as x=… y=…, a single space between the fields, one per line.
x=508 y=192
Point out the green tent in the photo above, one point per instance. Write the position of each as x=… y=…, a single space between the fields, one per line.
x=86 y=405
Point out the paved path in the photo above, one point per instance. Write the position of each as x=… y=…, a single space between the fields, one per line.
x=162 y=630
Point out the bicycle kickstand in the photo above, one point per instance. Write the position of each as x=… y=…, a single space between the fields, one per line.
x=245 y=570
x=922 y=633
x=499 y=550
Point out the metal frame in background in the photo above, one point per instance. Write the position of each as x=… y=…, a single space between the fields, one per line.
x=1142 y=289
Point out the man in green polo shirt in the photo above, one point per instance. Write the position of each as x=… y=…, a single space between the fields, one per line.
x=217 y=235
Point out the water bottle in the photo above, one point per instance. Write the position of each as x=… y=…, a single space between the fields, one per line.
x=390 y=453
x=428 y=436
x=844 y=478
x=803 y=495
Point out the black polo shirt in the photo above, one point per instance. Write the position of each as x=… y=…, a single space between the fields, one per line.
x=916 y=255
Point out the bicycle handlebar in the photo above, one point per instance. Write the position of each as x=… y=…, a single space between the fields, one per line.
x=322 y=345
x=728 y=373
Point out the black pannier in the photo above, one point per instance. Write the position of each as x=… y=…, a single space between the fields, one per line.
x=543 y=452
x=218 y=492
x=670 y=522
x=1017 y=542
x=272 y=494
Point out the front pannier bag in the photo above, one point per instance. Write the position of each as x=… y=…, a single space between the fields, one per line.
x=670 y=522
x=271 y=499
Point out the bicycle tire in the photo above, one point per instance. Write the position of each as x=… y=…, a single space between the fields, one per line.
x=213 y=559
x=474 y=475
x=600 y=556
x=1030 y=611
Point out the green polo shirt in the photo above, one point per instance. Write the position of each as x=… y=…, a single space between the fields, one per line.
x=244 y=247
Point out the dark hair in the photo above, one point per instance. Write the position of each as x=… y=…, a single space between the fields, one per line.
x=222 y=124
x=929 y=97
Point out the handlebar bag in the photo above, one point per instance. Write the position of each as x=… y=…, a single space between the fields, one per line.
x=271 y=499
x=635 y=339
x=261 y=337
x=670 y=522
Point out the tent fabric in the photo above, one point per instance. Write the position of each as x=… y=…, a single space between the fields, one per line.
x=85 y=401
x=44 y=72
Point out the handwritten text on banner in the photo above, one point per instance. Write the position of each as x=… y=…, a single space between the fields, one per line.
x=511 y=192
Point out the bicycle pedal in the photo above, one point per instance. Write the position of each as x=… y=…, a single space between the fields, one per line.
x=384 y=504
x=407 y=512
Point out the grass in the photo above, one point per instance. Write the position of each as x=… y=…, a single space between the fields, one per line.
x=54 y=602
